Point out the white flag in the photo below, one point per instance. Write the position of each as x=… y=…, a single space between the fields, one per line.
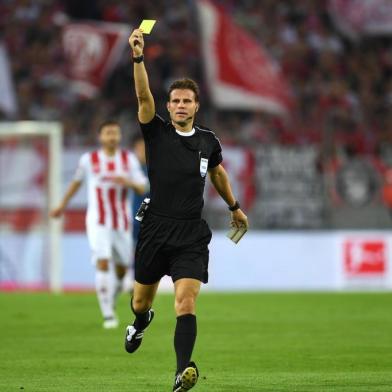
x=362 y=17
x=8 y=102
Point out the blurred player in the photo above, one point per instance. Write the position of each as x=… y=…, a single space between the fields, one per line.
x=109 y=172
x=173 y=238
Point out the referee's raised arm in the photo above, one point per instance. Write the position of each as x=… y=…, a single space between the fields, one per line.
x=145 y=99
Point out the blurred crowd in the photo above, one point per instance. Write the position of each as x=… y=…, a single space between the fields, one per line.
x=342 y=88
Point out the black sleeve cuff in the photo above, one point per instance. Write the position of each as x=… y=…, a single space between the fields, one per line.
x=215 y=161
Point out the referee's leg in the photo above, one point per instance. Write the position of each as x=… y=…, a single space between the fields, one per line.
x=186 y=292
x=143 y=297
x=141 y=302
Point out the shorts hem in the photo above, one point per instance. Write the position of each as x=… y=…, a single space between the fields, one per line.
x=147 y=283
x=202 y=280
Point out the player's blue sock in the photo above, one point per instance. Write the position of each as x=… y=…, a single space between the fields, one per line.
x=184 y=339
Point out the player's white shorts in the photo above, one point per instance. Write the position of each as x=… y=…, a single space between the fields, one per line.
x=106 y=243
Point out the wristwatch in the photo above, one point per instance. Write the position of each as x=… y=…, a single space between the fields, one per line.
x=138 y=59
x=235 y=207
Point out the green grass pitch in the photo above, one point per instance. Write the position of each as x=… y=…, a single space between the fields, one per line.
x=267 y=342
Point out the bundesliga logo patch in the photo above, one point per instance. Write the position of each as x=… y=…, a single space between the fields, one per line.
x=203 y=166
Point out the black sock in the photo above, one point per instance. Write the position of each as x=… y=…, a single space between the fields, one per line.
x=184 y=339
x=141 y=320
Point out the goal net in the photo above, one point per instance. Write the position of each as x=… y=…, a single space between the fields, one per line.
x=30 y=181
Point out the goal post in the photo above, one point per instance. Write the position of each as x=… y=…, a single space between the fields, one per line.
x=53 y=132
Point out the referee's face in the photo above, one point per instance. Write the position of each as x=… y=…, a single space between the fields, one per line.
x=110 y=136
x=182 y=107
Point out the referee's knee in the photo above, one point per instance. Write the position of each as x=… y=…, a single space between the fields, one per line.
x=141 y=305
x=185 y=304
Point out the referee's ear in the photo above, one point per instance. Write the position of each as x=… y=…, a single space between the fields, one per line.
x=197 y=107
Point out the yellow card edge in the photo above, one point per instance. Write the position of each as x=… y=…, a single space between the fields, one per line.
x=148 y=21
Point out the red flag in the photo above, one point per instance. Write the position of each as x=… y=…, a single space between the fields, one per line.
x=92 y=51
x=241 y=74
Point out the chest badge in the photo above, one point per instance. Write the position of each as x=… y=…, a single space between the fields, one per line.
x=203 y=166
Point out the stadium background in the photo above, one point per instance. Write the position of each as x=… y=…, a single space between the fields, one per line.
x=315 y=154
x=311 y=162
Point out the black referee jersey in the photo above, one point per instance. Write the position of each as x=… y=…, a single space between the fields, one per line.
x=177 y=167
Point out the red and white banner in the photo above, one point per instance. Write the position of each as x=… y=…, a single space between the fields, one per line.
x=240 y=73
x=269 y=260
x=357 y=17
x=23 y=196
x=92 y=51
x=240 y=163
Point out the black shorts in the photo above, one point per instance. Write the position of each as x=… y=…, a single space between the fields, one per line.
x=174 y=247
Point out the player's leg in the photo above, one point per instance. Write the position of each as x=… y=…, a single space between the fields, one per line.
x=100 y=244
x=119 y=273
x=121 y=260
x=141 y=302
x=186 y=292
x=122 y=245
x=103 y=285
x=150 y=267
x=189 y=268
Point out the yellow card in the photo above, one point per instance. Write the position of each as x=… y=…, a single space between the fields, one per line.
x=235 y=234
x=147 y=25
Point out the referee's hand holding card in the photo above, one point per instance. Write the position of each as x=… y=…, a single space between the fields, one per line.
x=239 y=221
x=239 y=224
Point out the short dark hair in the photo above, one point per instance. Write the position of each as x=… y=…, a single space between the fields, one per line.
x=106 y=123
x=185 y=84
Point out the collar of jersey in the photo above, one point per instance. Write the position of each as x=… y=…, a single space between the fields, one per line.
x=186 y=134
x=108 y=156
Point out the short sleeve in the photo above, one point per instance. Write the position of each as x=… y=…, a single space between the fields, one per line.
x=81 y=171
x=216 y=155
x=151 y=129
x=136 y=172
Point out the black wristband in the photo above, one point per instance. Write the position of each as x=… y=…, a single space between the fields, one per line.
x=138 y=59
x=235 y=207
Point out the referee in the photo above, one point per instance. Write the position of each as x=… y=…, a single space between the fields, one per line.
x=173 y=238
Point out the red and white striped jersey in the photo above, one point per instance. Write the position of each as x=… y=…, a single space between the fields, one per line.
x=108 y=203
